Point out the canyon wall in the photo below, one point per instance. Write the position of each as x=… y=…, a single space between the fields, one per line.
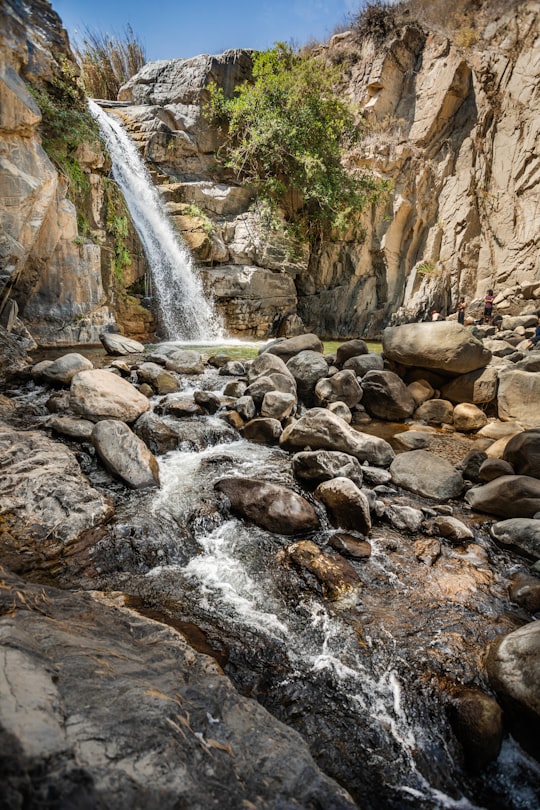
x=455 y=127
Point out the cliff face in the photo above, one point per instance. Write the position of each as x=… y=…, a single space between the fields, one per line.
x=58 y=278
x=454 y=128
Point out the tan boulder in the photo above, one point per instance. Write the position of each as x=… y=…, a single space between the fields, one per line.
x=442 y=346
x=99 y=394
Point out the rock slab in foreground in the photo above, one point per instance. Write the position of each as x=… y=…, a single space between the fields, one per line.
x=132 y=717
x=125 y=454
x=99 y=394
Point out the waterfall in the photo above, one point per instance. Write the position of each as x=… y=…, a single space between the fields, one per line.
x=184 y=311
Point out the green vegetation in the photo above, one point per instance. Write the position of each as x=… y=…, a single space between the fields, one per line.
x=117 y=227
x=425 y=268
x=107 y=62
x=287 y=133
x=66 y=123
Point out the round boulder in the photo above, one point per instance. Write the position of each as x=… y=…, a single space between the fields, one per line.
x=271 y=506
x=443 y=346
x=468 y=417
x=292 y=346
x=307 y=368
x=342 y=387
x=64 y=369
x=508 y=496
x=386 y=396
x=97 y=394
x=125 y=455
x=523 y=452
x=347 y=505
x=316 y=466
x=426 y=474
x=522 y=534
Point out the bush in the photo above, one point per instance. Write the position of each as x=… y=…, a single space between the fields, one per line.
x=107 y=62
x=286 y=135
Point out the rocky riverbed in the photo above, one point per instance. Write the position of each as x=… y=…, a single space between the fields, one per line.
x=294 y=581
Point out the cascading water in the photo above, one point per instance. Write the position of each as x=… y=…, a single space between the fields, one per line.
x=185 y=312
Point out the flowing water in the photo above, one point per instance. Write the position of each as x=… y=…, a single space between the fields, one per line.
x=185 y=313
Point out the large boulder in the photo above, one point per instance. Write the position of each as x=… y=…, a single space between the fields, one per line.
x=265 y=365
x=523 y=452
x=119 y=345
x=386 y=396
x=426 y=474
x=64 y=369
x=319 y=429
x=350 y=348
x=443 y=346
x=99 y=394
x=518 y=397
x=307 y=368
x=508 y=496
x=513 y=664
x=342 y=387
x=271 y=506
x=477 y=386
x=362 y=363
x=294 y=345
x=468 y=417
x=46 y=503
x=125 y=455
x=158 y=436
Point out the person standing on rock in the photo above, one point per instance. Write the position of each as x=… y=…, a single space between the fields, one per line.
x=461 y=307
x=488 y=306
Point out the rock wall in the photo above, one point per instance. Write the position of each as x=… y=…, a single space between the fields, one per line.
x=59 y=279
x=454 y=128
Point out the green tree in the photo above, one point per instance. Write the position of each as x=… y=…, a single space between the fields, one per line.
x=287 y=132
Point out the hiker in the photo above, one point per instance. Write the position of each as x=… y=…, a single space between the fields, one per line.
x=488 y=306
x=461 y=307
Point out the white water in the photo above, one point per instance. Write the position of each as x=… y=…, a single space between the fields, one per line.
x=185 y=313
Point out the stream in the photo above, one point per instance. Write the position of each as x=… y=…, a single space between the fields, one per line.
x=360 y=678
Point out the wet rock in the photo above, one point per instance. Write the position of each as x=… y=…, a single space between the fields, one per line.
x=46 y=503
x=375 y=476
x=132 y=716
x=452 y=529
x=156 y=434
x=182 y=361
x=285 y=349
x=211 y=402
x=467 y=417
x=513 y=664
x=524 y=590
x=347 y=506
x=259 y=388
x=350 y=546
x=508 y=496
x=263 y=430
x=427 y=550
x=271 y=506
x=386 y=396
x=334 y=575
x=404 y=518
x=233 y=419
x=477 y=721
x=235 y=388
x=351 y=348
x=72 y=427
x=435 y=412
x=493 y=468
x=180 y=406
x=523 y=452
x=316 y=466
x=319 y=429
x=342 y=387
x=64 y=369
x=125 y=455
x=442 y=346
x=266 y=364
x=307 y=368
x=522 y=534
x=425 y=474
x=196 y=434
x=98 y=394
x=116 y=344
x=234 y=368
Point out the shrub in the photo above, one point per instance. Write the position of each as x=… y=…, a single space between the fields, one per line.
x=286 y=135
x=107 y=62
x=376 y=20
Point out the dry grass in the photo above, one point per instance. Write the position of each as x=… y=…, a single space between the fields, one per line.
x=107 y=61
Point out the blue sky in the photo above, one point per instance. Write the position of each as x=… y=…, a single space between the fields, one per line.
x=182 y=28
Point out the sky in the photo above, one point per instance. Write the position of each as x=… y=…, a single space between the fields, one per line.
x=170 y=29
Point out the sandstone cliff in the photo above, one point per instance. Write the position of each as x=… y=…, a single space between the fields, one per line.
x=454 y=126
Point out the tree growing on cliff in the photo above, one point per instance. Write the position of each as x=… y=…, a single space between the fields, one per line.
x=287 y=131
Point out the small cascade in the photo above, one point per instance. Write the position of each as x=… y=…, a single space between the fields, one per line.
x=184 y=311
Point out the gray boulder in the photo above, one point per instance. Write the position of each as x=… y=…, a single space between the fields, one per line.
x=363 y=363
x=316 y=466
x=351 y=348
x=508 y=496
x=426 y=474
x=386 y=396
x=342 y=387
x=518 y=397
x=307 y=368
x=277 y=405
x=99 y=394
x=116 y=344
x=292 y=346
x=263 y=430
x=522 y=534
x=125 y=455
x=435 y=412
x=64 y=369
x=155 y=433
x=319 y=429
x=443 y=346
x=523 y=452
